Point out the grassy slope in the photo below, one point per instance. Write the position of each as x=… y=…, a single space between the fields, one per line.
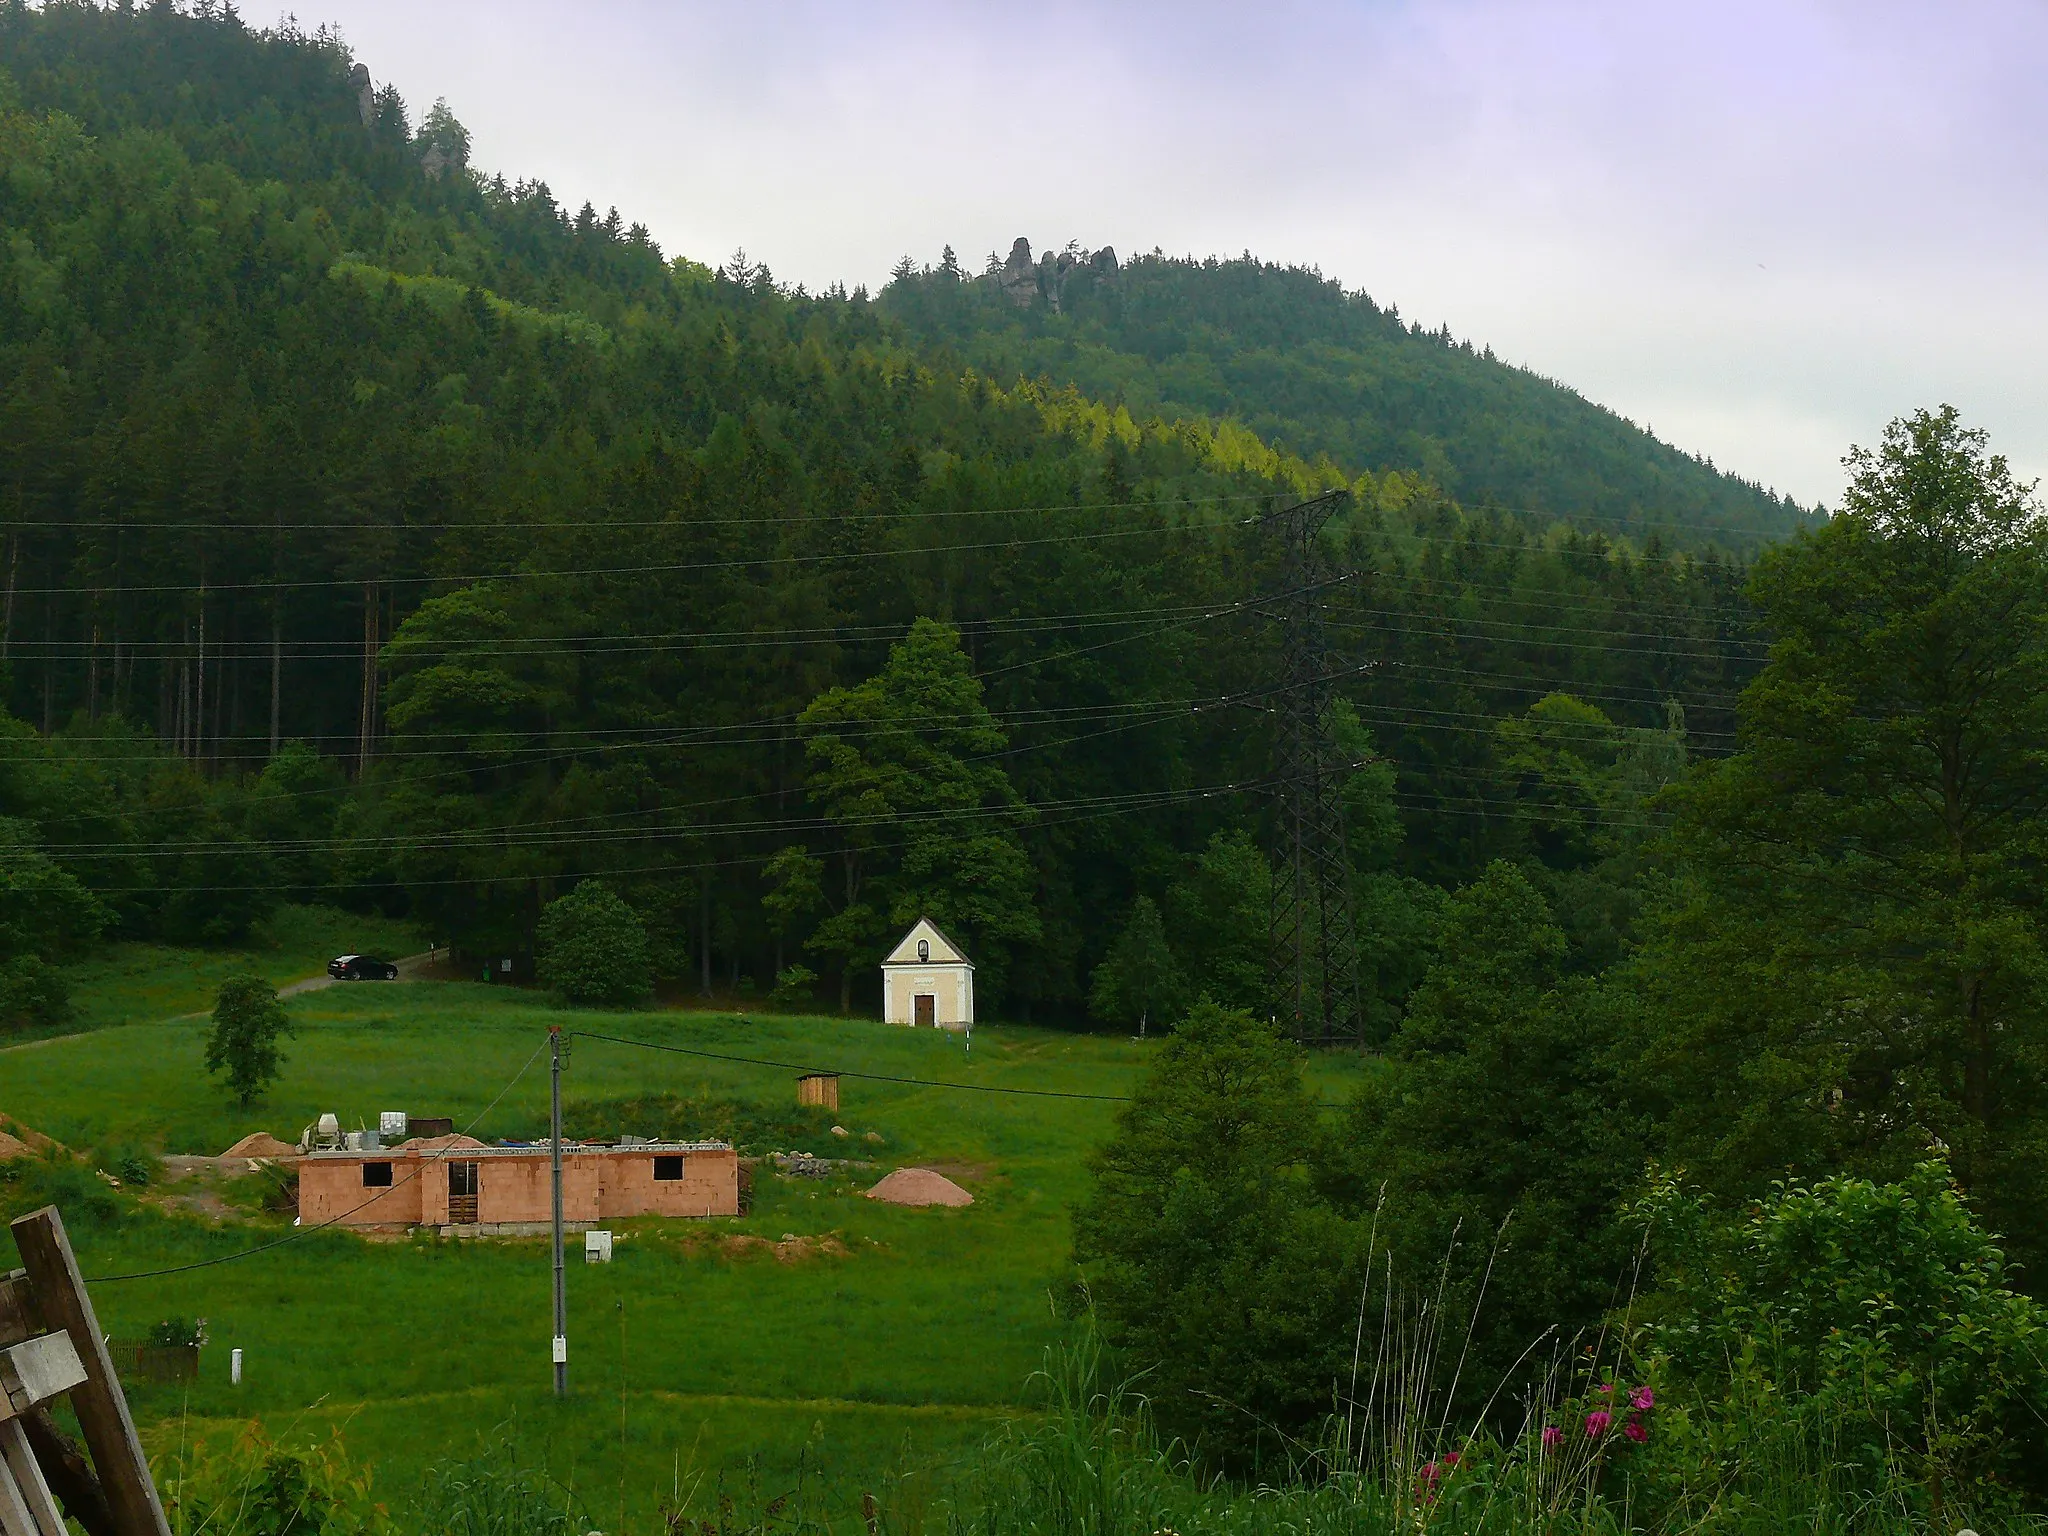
x=128 y=981
x=901 y=1353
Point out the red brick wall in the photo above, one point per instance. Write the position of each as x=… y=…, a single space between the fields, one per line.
x=596 y=1186
x=332 y=1188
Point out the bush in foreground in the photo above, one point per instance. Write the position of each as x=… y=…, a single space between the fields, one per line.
x=1883 y=1308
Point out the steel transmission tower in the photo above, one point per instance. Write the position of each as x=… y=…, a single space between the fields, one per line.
x=1313 y=955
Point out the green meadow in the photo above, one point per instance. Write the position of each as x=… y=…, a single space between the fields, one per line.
x=880 y=1347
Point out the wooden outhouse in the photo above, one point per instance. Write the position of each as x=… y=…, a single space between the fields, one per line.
x=927 y=979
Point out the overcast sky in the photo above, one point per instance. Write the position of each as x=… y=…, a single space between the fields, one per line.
x=1763 y=229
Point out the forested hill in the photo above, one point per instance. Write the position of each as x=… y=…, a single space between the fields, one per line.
x=1317 y=370
x=380 y=531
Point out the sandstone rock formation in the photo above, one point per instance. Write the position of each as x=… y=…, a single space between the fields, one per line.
x=366 y=93
x=1024 y=282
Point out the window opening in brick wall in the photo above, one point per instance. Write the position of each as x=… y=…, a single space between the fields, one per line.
x=668 y=1168
x=376 y=1175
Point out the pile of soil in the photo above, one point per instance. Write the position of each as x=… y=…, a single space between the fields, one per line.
x=18 y=1140
x=261 y=1144
x=919 y=1186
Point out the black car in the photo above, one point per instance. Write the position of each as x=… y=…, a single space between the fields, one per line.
x=361 y=968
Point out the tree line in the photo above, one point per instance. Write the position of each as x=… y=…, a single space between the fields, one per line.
x=1784 y=1138
x=452 y=548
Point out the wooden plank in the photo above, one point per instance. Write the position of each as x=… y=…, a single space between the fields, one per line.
x=17 y=1317
x=101 y=1408
x=37 y=1370
x=42 y=1510
x=15 y=1520
x=68 y=1473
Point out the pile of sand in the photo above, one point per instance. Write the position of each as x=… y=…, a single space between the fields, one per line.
x=261 y=1144
x=919 y=1186
x=18 y=1140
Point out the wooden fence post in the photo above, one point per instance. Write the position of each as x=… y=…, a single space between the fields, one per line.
x=102 y=1410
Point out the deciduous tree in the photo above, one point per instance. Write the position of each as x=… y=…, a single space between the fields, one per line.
x=1857 y=963
x=242 y=1046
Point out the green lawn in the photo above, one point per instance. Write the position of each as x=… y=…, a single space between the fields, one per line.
x=908 y=1348
x=125 y=983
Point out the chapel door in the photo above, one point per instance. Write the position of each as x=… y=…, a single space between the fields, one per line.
x=462 y=1182
x=927 y=1010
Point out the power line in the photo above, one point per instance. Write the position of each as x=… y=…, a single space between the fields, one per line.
x=874 y=1077
x=871 y=1077
x=1149 y=800
x=1450 y=581
x=599 y=643
x=426 y=578
x=607 y=829
x=1552 y=517
x=1158 y=712
x=592 y=524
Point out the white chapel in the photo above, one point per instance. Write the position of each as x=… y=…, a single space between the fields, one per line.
x=927 y=980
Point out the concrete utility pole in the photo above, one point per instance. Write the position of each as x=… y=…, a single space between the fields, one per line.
x=561 y=1340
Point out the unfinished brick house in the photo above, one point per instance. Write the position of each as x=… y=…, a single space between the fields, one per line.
x=452 y=1181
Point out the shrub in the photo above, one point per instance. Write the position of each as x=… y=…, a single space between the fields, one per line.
x=793 y=987
x=256 y=1487
x=593 y=948
x=130 y=1164
x=248 y=1022
x=32 y=994
x=1884 y=1305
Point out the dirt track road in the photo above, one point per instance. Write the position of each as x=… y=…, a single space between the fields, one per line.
x=408 y=970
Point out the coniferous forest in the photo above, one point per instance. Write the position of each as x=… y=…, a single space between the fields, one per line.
x=384 y=533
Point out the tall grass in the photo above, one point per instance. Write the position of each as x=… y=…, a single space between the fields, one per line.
x=495 y=1495
x=1393 y=1461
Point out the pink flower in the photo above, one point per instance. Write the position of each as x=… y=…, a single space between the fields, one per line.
x=1597 y=1422
x=1642 y=1397
x=1553 y=1437
x=1605 y=1389
x=1635 y=1431
x=1450 y=1459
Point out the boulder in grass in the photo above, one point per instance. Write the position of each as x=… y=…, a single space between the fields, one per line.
x=919 y=1186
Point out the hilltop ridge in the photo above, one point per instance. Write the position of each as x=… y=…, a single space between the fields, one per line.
x=1321 y=371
